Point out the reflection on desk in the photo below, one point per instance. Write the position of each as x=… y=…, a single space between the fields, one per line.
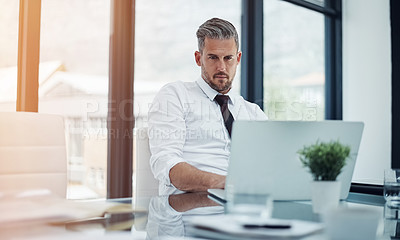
x=171 y=216
x=168 y=215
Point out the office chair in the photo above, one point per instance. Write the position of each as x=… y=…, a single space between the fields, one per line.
x=32 y=152
x=146 y=184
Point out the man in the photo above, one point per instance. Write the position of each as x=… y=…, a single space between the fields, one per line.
x=190 y=122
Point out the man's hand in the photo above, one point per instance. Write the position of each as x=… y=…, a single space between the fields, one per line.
x=187 y=178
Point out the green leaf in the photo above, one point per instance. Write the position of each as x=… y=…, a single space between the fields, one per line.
x=324 y=160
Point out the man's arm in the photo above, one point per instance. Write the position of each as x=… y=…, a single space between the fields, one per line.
x=188 y=201
x=187 y=178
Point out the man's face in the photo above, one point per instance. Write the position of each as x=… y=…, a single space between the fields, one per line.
x=218 y=63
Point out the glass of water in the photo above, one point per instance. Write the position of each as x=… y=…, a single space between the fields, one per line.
x=391 y=187
x=254 y=205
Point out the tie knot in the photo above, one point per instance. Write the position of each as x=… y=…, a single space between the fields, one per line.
x=222 y=99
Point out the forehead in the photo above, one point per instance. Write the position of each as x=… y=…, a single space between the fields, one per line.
x=221 y=46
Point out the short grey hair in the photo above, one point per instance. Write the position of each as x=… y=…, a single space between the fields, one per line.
x=216 y=28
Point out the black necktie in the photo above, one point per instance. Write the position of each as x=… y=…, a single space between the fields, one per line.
x=222 y=100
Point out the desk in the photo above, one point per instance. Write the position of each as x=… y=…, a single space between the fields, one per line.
x=166 y=217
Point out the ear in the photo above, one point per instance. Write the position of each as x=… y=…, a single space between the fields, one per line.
x=239 y=56
x=197 y=57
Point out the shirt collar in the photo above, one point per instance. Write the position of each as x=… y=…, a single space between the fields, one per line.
x=211 y=93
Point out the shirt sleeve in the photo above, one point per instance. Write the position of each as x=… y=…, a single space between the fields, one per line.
x=167 y=131
x=260 y=114
x=255 y=112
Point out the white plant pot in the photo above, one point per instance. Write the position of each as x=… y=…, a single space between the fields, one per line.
x=325 y=195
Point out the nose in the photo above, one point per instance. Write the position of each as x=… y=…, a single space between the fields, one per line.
x=221 y=65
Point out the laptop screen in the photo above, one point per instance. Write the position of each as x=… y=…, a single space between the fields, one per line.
x=264 y=156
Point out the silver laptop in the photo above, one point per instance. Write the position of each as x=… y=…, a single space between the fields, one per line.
x=264 y=156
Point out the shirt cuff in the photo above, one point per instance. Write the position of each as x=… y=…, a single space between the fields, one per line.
x=163 y=167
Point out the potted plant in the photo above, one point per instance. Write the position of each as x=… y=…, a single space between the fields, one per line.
x=325 y=161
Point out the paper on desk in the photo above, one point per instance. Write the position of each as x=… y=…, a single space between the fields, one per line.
x=225 y=227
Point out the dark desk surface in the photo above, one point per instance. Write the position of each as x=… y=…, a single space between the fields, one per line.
x=165 y=217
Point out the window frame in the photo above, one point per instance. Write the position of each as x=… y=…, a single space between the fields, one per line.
x=252 y=72
x=395 y=37
x=121 y=119
x=252 y=45
x=28 y=56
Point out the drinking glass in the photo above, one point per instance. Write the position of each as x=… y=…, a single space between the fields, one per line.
x=250 y=201
x=391 y=187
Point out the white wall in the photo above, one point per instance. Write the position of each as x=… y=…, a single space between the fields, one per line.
x=367 y=83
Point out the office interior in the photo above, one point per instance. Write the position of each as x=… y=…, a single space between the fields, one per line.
x=365 y=70
x=88 y=60
x=356 y=72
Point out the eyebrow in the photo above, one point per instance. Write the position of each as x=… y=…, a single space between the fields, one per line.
x=212 y=55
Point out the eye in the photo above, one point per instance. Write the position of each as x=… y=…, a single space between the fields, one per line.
x=212 y=57
x=228 y=57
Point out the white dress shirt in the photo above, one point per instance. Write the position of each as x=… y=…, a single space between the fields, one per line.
x=186 y=125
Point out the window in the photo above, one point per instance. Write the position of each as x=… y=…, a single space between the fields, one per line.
x=9 y=13
x=73 y=83
x=294 y=66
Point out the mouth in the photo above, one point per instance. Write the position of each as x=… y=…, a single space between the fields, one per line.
x=220 y=76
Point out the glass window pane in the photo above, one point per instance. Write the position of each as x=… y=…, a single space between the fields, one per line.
x=294 y=72
x=73 y=82
x=166 y=41
x=9 y=17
